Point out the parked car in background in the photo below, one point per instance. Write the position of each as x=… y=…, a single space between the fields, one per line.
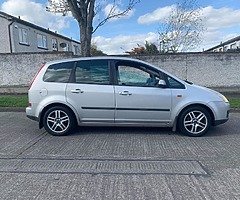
x=117 y=91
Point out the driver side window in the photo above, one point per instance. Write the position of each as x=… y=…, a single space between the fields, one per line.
x=134 y=76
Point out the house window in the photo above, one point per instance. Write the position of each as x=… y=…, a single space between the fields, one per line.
x=42 y=41
x=233 y=46
x=54 y=44
x=66 y=48
x=76 y=49
x=23 y=36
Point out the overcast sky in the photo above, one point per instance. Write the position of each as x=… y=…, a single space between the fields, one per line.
x=221 y=18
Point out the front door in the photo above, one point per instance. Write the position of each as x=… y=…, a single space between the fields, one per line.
x=139 y=99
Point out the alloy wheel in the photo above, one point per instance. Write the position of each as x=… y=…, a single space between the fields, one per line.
x=58 y=121
x=195 y=122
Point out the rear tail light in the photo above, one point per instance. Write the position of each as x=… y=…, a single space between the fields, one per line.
x=36 y=75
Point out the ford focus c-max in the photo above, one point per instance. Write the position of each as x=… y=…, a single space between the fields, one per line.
x=120 y=91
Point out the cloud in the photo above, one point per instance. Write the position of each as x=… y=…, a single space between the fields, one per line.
x=35 y=13
x=220 y=18
x=122 y=43
x=213 y=18
x=115 y=9
x=217 y=21
x=158 y=15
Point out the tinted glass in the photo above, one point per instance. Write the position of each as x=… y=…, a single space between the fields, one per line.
x=95 y=72
x=174 y=83
x=58 y=72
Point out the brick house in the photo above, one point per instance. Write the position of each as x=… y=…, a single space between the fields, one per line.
x=17 y=35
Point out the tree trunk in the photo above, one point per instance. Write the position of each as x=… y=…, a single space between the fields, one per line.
x=85 y=39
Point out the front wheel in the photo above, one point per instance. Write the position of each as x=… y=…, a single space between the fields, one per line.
x=58 y=121
x=194 y=121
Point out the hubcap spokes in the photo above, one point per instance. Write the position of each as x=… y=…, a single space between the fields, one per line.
x=195 y=122
x=58 y=121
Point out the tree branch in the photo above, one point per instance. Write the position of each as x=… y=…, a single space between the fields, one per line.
x=112 y=13
x=75 y=10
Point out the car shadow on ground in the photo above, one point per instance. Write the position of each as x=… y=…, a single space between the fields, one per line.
x=124 y=130
x=215 y=131
x=219 y=131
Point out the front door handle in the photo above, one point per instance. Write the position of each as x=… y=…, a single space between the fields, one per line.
x=76 y=91
x=125 y=93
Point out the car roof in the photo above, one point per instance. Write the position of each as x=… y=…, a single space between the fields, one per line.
x=96 y=58
x=112 y=58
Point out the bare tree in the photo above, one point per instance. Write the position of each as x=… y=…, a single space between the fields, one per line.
x=182 y=30
x=84 y=11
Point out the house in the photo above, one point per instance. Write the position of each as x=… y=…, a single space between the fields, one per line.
x=232 y=45
x=17 y=35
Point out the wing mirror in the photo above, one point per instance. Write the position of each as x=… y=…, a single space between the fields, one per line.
x=162 y=84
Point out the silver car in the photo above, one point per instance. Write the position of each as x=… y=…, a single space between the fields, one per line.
x=119 y=91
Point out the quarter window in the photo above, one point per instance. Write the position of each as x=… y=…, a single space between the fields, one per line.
x=23 y=36
x=94 y=72
x=42 y=41
x=58 y=72
x=174 y=84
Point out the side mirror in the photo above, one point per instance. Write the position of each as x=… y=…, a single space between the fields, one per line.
x=162 y=84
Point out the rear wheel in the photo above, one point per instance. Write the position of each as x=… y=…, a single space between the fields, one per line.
x=194 y=121
x=58 y=121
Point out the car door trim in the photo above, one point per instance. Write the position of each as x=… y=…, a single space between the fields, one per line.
x=135 y=109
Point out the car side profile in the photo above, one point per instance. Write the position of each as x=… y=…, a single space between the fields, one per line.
x=119 y=91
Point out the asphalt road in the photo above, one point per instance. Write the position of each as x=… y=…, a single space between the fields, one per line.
x=117 y=163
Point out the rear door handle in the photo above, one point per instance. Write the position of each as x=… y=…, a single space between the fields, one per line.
x=125 y=93
x=76 y=91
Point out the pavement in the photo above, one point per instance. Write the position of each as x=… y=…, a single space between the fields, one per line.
x=117 y=163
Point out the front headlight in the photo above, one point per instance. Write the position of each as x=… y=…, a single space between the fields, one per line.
x=224 y=98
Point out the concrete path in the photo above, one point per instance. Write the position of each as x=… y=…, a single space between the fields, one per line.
x=117 y=163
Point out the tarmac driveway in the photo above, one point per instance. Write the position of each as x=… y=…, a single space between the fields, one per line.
x=117 y=163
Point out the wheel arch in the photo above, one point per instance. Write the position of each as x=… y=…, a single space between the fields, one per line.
x=194 y=105
x=44 y=110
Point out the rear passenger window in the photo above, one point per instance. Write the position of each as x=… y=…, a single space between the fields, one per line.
x=93 y=72
x=59 y=73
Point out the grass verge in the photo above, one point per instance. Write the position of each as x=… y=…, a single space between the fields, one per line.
x=22 y=101
x=13 y=100
x=234 y=102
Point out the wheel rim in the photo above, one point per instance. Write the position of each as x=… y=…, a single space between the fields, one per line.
x=58 y=121
x=195 y=122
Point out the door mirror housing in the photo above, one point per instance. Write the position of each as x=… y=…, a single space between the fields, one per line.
x=162 y=84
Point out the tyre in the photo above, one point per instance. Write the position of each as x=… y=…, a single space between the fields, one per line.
x=59 y=121
x=194 y=121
